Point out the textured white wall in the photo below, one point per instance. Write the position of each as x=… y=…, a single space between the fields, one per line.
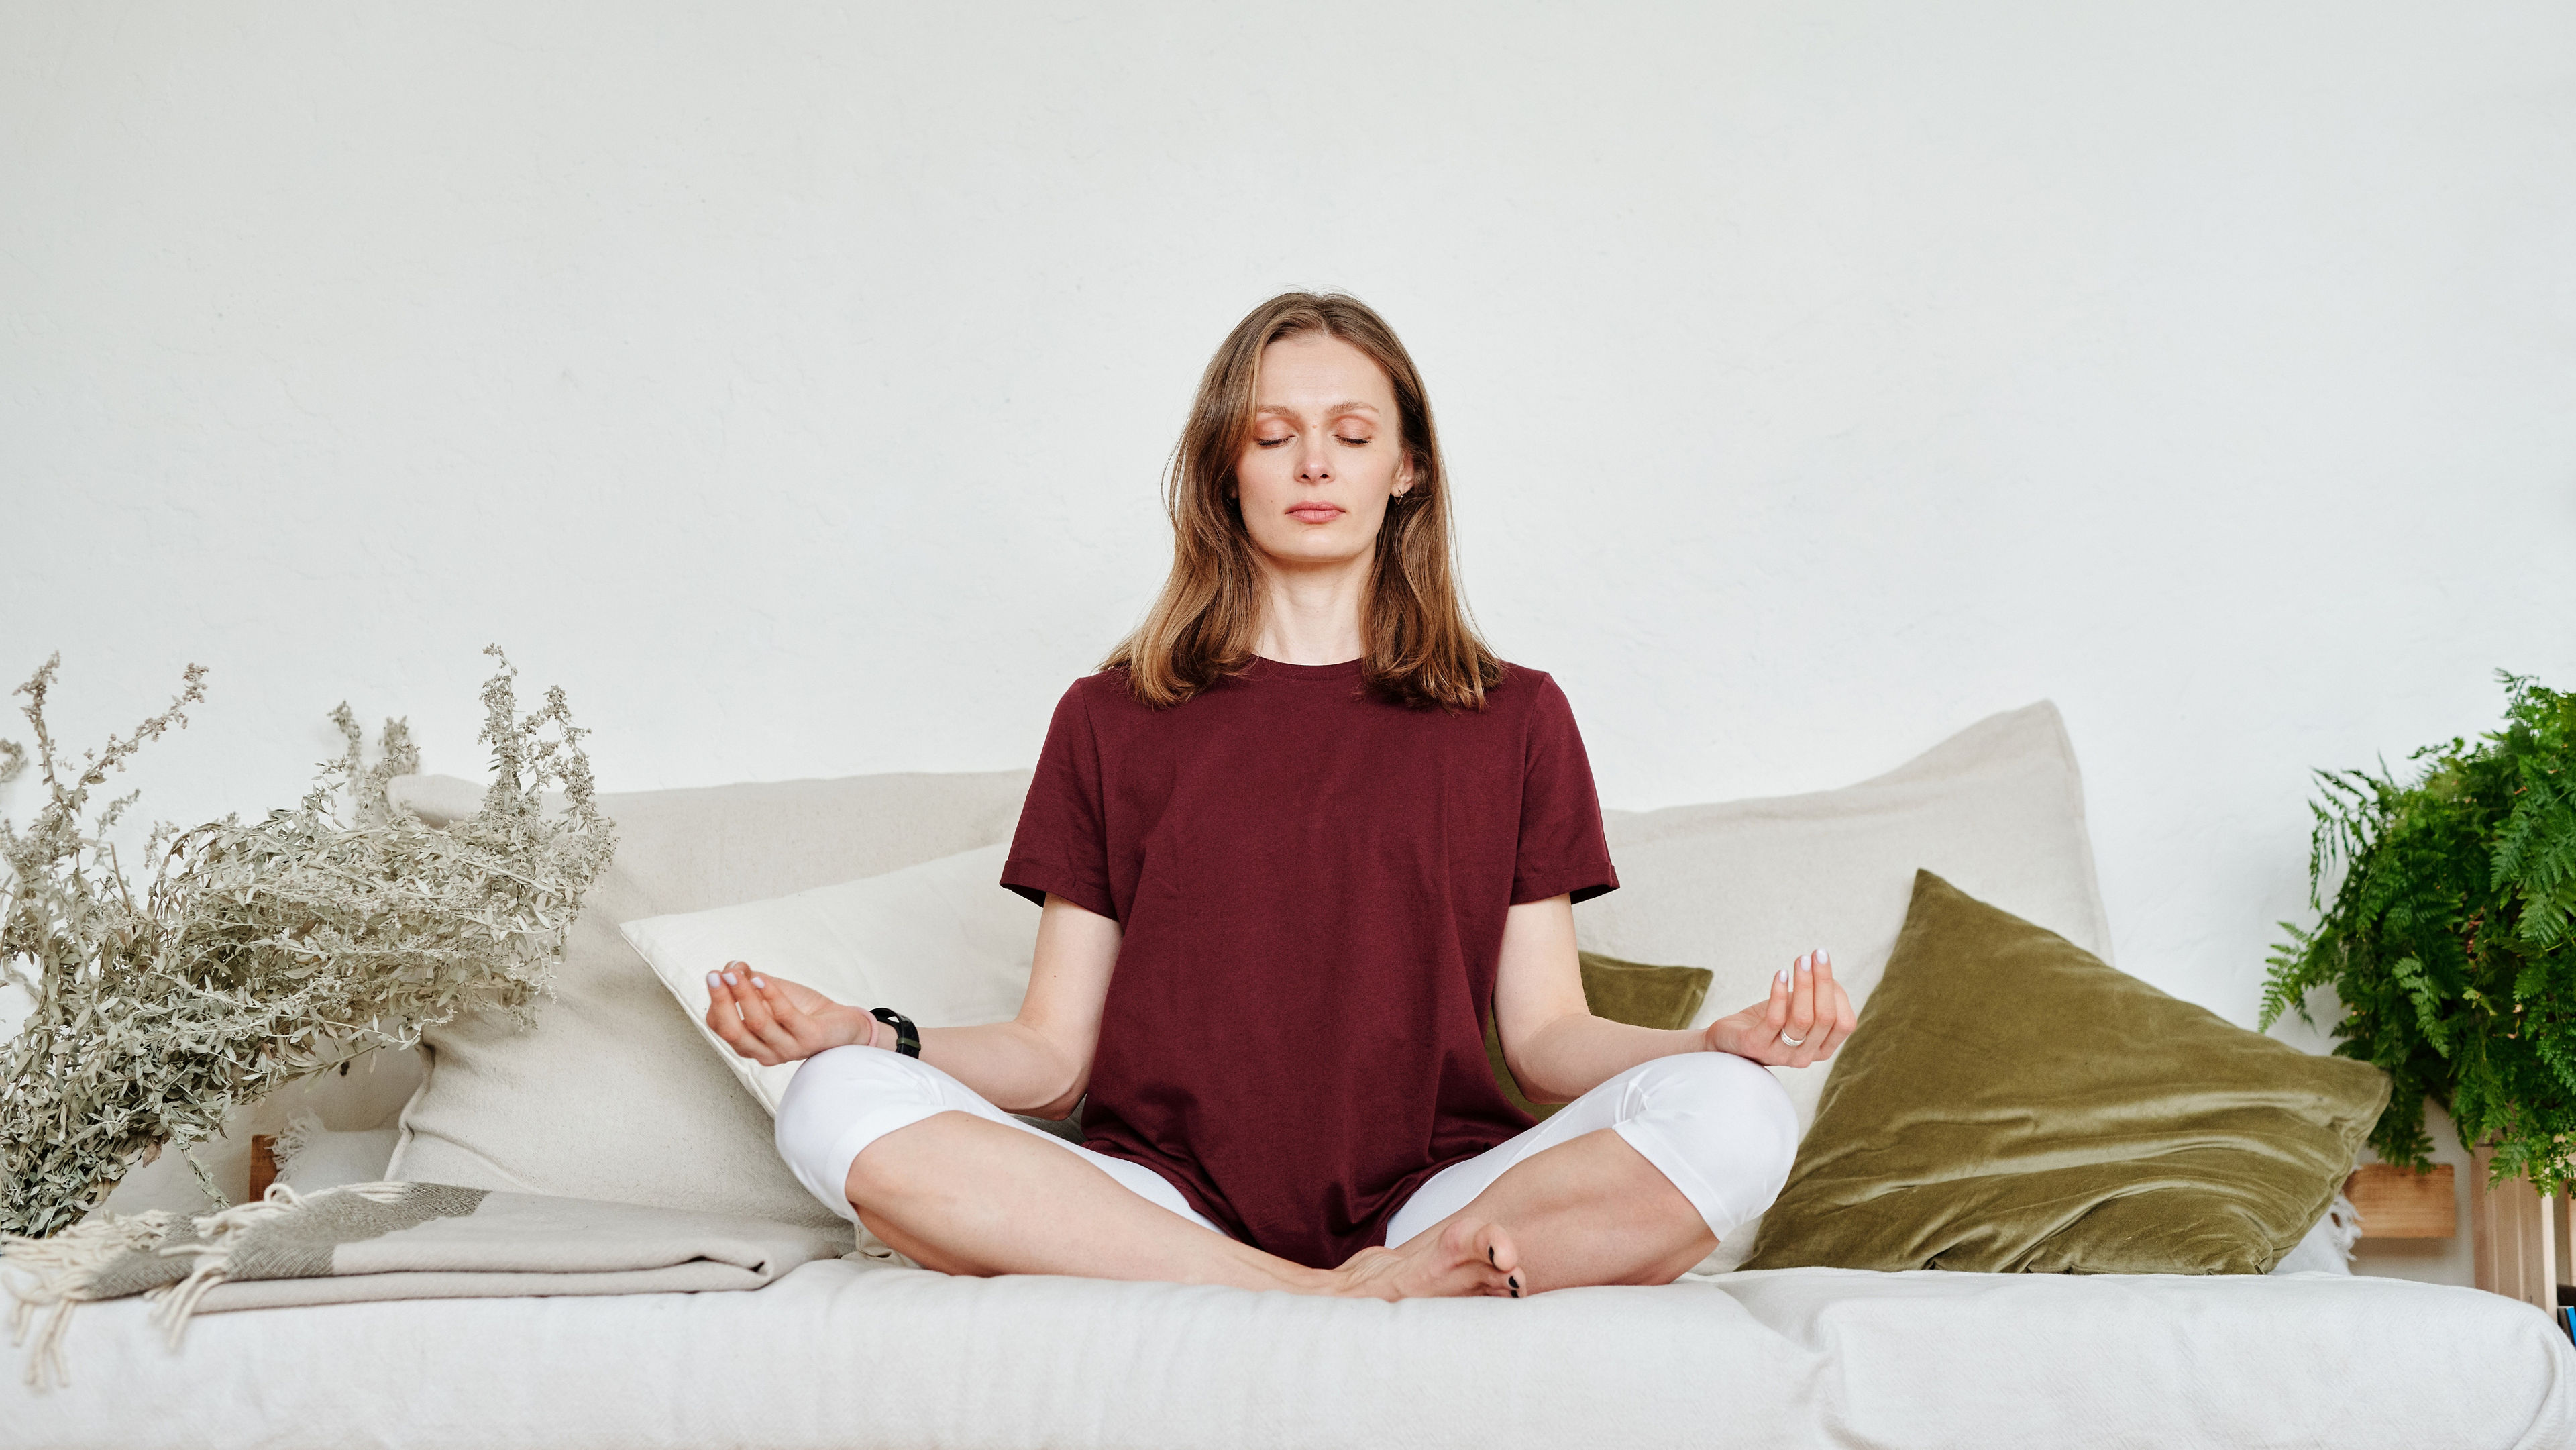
x=790 y=382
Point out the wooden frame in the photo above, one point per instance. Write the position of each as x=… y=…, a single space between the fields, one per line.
x=2520 y=1236
x=263 y=1164
x=2400 y=1203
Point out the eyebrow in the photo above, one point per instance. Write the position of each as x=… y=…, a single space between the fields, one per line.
x=1335 y=411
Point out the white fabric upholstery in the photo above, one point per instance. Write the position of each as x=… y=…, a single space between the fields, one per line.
x=836 y=1355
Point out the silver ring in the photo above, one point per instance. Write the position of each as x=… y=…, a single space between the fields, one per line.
x=1793 y=1041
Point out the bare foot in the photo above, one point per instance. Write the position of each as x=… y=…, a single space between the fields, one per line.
x=1464 y=1258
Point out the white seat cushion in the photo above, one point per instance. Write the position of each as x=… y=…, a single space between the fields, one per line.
x=835 y=1355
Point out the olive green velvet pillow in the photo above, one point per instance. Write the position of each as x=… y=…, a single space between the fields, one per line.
x=2009 y=1101
x=1636 y=993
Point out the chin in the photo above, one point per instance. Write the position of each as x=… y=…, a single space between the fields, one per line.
x=1321 y=546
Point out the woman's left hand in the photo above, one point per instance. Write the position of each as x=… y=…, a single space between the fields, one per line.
x=1807 y=1016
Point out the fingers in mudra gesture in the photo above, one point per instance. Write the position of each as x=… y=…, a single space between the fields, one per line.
x=1806 y=1017
x=772 y=1020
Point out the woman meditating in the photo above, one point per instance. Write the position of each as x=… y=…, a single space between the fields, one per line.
x=1291 y=844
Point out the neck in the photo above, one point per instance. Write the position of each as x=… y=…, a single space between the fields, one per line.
x=1311 y=614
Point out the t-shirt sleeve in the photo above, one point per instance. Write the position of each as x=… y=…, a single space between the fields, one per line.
x=1062 y=843
x=1563 y=850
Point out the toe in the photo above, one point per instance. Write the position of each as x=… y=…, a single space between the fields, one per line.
x=1506 y=1261
x=1499 y=1272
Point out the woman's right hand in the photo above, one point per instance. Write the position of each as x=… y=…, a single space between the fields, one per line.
x=772 y=1020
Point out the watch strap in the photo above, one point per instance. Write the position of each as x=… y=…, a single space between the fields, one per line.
x=907 y=1038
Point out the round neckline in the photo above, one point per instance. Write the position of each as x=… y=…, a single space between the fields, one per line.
x=1347 y=669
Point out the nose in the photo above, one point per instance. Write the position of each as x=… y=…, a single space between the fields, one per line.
x=1314 y=465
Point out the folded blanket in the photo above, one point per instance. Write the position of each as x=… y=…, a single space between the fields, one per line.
x=386 y=1240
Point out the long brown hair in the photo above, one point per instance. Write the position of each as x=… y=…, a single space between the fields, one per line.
x=1417 y=645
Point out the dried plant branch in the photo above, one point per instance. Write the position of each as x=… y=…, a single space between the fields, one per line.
x=266 y=952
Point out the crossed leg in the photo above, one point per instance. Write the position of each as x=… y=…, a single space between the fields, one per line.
x=954 y=1184
x=957 y=1193
x=1629 y=1184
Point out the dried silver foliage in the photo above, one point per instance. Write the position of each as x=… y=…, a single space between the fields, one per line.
x=265 y=952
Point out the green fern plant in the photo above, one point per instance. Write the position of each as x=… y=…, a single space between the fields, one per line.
x=2451 y=937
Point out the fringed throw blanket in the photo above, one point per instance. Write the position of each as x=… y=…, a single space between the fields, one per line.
x=384 y=1241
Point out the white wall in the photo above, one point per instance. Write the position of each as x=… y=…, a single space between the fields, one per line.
x=790 y=383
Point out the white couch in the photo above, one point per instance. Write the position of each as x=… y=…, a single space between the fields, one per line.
x=614 y=1096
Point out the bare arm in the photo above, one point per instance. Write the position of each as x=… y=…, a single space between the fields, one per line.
x=1038 y=1062
x=1559 y=1051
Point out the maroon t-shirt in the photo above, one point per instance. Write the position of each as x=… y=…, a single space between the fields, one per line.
x=1311 y=883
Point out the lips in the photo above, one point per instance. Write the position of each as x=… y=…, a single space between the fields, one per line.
x=1315 y=513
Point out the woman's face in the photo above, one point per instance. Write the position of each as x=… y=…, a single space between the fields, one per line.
x=1326 y=453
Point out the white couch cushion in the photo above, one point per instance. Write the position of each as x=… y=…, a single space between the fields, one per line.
x=940 y=942
x=614 y=1095
x=839 y=1356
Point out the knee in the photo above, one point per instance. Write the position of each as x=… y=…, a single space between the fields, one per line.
x=1733 y=1109
x=832 y=1089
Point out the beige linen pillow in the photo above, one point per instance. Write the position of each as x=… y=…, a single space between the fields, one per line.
x=1743 y=887
x=940 y=942
x=613 y=1094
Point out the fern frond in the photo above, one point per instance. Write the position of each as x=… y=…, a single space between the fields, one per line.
x=2446 y=924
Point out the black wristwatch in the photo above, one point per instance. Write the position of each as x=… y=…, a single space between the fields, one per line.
x=907 y=1038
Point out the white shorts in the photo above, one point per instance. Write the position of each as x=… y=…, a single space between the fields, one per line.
x=1718 y=1126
